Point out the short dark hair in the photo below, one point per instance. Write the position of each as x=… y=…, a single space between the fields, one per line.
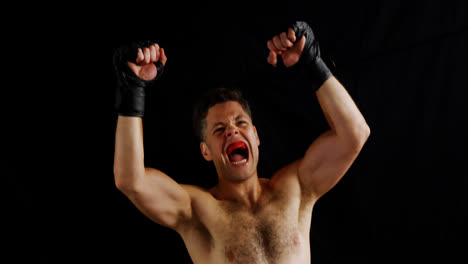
x=215 y=96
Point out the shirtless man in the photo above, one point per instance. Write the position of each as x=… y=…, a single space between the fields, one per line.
x=244 y=218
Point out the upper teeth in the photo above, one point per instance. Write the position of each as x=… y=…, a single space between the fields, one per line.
x=239 y=162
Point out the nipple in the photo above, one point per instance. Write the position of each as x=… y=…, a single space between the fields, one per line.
x=230 y=255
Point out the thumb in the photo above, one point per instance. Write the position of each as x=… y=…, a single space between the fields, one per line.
x=134 y=67
x=292 y=56
x=272 y=58
x=299 y=46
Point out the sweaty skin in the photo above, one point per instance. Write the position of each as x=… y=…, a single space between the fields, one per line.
x=244 y=218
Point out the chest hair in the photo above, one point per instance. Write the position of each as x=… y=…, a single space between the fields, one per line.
x=267 y=234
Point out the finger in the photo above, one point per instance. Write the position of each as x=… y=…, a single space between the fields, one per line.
x=291 y=35
x=278 y=43
x=146 y=51
x=158 y=54
x=163 y=57
x=272 y=58
x=272 y=46
x=285 y=40
x=140 y=56
x=153 y=53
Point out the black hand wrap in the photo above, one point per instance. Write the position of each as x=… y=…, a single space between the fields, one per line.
x=310 y=65
x=130 y=91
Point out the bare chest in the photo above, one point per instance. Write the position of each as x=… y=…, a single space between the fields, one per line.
x=271 y=235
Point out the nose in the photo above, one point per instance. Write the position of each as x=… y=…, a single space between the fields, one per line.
x=231 y=131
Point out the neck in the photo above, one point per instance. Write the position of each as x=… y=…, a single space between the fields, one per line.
x=246 y=193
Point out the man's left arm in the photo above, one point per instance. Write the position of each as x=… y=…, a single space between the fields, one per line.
x=332 y=153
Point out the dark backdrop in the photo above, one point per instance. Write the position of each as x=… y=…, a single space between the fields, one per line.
x=404 y=64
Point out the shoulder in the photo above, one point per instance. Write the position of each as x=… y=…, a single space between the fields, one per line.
x=286 y=180
x=203 y=204
x=201 y=198
x=195 y=191
x=196 y=230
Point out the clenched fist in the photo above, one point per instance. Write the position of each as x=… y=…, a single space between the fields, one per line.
x=136 y=66
x=144 y=66
x=283 y=44
x=300 y=47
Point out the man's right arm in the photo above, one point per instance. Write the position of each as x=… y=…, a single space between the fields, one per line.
x=153 y=192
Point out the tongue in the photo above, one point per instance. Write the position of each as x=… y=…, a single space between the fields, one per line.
x=236 y=145
x=236 y=157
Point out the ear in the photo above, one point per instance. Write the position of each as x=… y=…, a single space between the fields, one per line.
x=256 y=135
x=205 y=151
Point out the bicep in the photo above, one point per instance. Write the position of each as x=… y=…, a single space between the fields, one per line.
x=161 y=199
x=325 y=163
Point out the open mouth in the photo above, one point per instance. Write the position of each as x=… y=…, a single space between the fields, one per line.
x=238 y=153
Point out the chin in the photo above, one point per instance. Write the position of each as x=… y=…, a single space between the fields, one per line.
x=236 y=173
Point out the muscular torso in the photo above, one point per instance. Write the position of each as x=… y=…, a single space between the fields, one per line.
x=275 y=231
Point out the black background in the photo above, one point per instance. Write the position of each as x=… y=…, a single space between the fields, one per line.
x=404 y=64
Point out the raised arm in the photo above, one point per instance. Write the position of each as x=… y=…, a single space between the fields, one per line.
x=154 y=193
x=332 y=153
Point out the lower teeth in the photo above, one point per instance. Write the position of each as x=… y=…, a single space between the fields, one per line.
x=239 y=162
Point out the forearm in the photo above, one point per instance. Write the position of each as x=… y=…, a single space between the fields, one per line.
x=342 y=114
x=129 y=154
x=133 y=76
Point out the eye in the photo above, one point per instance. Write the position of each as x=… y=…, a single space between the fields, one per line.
x=242 y=123
x=220 y=129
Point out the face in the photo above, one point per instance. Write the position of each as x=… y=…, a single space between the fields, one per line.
x=231 y=142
